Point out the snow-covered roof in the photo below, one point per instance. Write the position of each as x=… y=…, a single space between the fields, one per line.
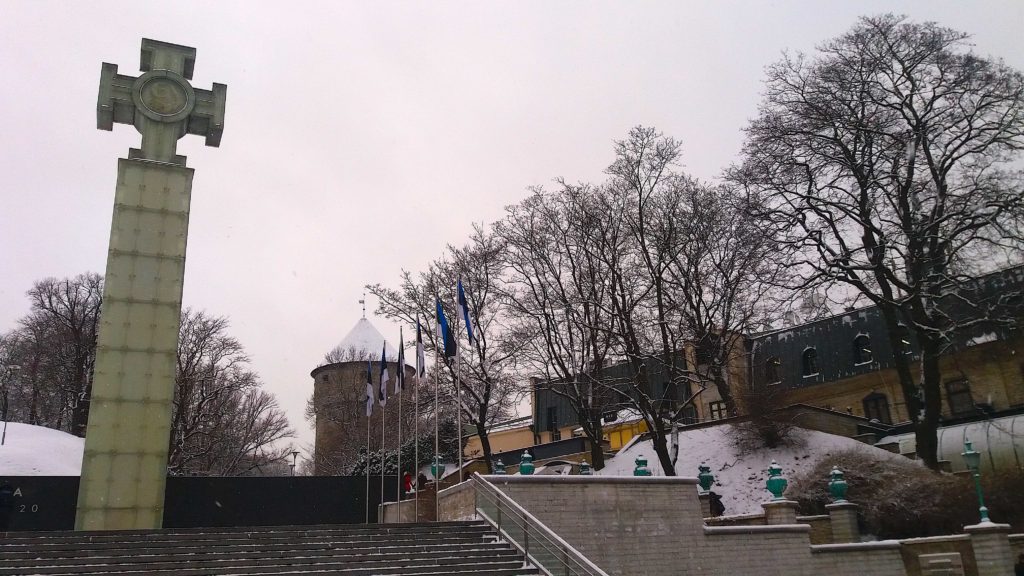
x=365 y=337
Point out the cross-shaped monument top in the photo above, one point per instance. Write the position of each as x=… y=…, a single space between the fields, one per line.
x=161 y=103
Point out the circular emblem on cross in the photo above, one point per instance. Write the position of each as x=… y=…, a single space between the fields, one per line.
x=163 y=95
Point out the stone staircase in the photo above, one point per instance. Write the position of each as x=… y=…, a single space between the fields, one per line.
x=449 y=548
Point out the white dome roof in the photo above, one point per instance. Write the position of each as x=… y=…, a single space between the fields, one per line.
x=363 y=337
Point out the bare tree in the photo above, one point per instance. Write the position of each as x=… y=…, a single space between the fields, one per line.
x=223 y=423
x=559 y=294
x=886 y=161
x=489 y=389
x=55 y=346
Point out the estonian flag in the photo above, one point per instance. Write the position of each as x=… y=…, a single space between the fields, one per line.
x=443 y=333
x=369 y=388
x=384 y=377
x=400 y=376
x=421 y=357
x=464 y=306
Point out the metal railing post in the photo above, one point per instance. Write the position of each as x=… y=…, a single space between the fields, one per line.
x=526 y=538
x=565 y=560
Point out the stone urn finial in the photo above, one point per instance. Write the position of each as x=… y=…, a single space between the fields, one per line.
x=837 y=486
x=641 y=466
x=705 y=477
x=777 y=483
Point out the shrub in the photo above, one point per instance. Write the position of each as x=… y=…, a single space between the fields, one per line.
x=902 y=499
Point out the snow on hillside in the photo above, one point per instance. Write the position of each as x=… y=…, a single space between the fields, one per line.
x=37 y=451
x=739 y=478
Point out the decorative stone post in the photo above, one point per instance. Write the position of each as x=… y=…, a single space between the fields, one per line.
x=499 y=467
x=992 y=551
x=640 y=468
x=842 y=513
x=778 y=510
x=585 y=469
x=526 y=467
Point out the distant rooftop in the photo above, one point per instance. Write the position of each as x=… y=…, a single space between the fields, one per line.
x=364 y=337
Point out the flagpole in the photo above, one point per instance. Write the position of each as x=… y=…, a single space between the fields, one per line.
x=367 y=462
x=458 y=403
x=437 y=430
x=398 y=492
x=383 y=455
x=416 y=435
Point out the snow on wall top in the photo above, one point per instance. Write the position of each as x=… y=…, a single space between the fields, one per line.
x=364 y=336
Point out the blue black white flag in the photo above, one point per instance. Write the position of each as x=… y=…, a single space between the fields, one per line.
x=400 y=375
x=421 y=357
x=369 y=388
x=444 y=334
x=464 y=307
x=384 y=377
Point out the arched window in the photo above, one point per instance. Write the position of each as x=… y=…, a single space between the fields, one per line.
x=862 y=349
x=810 y=362
x=771 y=370
x=876 y=407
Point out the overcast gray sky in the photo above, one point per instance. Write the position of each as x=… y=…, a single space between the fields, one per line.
x=361 y=138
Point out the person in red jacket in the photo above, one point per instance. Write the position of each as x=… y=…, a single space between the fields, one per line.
x=406 y=484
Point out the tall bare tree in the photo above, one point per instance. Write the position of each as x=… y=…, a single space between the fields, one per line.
x=223 y=423
x=559 y=294
x=55 y=347
x=886 y=160
x=489 y=389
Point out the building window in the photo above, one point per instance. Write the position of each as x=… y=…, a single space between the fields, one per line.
x=810 y=362
x=689 y=415
x=862 y=349
x=556 y=435
x=958 y=396
x=876 y=407
x=716 y=410
x=771 y=370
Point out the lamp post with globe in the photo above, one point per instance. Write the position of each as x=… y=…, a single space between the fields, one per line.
x=973 y=460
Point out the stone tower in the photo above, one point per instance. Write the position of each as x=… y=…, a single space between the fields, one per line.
x=339 y=395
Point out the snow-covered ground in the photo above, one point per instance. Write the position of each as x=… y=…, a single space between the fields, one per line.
x=37 y=451
x=739 y=478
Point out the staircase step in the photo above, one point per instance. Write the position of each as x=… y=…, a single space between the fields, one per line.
x=420 y=549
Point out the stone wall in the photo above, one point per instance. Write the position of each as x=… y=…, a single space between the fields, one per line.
x=457 y=503
x=960 y=544
x=392 y=513
x=821 y=526
x=654 y=526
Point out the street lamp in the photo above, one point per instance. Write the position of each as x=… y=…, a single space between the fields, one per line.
x=295 y=455
x=11 y=371
x=973 y=460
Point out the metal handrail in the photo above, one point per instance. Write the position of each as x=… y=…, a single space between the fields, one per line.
x=539 y=544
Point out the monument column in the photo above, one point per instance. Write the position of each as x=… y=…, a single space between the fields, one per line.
x=125 y=463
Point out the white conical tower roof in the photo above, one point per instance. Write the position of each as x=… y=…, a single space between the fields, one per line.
x=365 y=337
